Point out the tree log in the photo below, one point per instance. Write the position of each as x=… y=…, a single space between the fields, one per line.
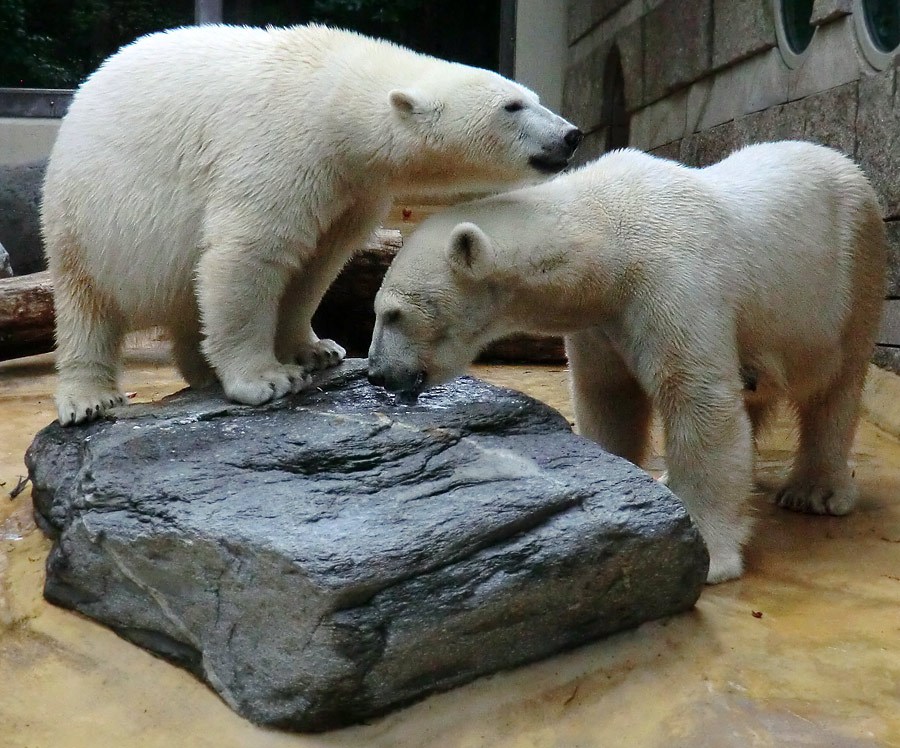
x=345 y=314
x=26 y=315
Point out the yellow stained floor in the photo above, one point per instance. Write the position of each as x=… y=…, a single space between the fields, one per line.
x=803 y=651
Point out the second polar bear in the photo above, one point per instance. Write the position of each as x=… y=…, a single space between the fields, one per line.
x=705 y=293
x=214 y=180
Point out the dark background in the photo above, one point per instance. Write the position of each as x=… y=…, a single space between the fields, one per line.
x=58 y=43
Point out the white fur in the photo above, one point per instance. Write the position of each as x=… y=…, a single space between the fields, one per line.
x=215 y=179
x=676 y=288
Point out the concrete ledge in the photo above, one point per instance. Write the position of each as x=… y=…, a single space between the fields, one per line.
x=35 y=102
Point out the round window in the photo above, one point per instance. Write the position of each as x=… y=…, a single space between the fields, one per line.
x=793 y=29
x=882 y=19
x=798 y=31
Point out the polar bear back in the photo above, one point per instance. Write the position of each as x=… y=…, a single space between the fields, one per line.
x=802 y=218
x=772 y=227
x=115 y=149
x=136 y=172
x=789 y=233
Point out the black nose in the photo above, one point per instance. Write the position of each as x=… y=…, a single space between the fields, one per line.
x=376 y=379
x=573 y=138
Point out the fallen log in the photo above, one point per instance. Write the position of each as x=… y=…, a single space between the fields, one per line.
x=345 y=314
x=26 y=315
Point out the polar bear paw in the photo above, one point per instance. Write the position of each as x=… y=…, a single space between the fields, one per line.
x=724 y=566
x=270 y=384
x=322 y=354
x=817 y=498
x=78 y=405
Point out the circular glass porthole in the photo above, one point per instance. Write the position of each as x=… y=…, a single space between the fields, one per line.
x=882 y=19
x=877 y=25
x=793 y=28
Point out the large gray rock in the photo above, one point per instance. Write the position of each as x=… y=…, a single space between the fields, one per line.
x=20 y=220
x=5 y=268
x=325 y=558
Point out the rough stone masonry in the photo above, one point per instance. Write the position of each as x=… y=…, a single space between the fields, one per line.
x=325 y=558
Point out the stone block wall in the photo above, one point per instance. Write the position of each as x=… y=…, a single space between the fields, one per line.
x=704 y=77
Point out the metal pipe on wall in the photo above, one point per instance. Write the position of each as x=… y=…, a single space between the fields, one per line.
x=208 y=11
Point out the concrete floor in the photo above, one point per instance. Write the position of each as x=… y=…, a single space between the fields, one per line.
x=803 y=651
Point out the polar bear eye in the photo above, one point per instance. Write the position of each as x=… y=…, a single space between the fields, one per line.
x=514 y=106
x=392 y=317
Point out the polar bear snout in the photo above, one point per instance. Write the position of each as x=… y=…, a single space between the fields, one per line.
x=406 y=381
x=573 y=138
x=554 y=158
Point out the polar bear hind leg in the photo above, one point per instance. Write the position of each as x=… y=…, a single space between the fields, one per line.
x=820 y=481
x=88 y=341
x=296 y=341
x=611 y=407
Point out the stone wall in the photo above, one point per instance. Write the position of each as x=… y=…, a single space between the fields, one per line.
x=704 y=77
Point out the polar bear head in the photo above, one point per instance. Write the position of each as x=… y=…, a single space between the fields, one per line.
x=436 y=309
x=474 y=130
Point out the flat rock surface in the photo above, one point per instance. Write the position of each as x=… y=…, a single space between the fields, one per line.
x=328 y=557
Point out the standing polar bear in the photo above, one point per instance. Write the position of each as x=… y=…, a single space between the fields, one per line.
x=214 y=180
x=707 y=293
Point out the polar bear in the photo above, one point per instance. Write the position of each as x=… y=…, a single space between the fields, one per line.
x=214 y=180
x=705 y=293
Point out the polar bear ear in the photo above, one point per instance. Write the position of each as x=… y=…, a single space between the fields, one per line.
x=468 y=249
x=409 y=102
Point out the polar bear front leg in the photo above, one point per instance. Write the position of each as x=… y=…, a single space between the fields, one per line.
x=296 y=342
x=611 y=407
x=313 y=353
x=709 y=453
x=238 y=295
